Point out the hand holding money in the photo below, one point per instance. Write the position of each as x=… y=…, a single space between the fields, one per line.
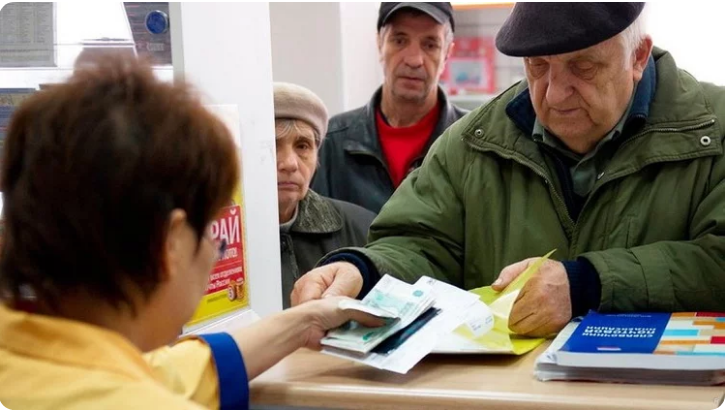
x=390 y=298
x=418 y=316
x=325 y=314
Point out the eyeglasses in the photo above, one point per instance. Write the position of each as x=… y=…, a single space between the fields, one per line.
x=222 y=248
x=221 y=244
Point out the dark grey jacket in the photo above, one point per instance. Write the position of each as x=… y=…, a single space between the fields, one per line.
x=322 y=226
x=351 y=165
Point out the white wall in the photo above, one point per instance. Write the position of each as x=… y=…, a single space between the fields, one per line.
x=329 y=48
x=306 y=48
x=362 y=72
x=224 y=50
x=693 y=33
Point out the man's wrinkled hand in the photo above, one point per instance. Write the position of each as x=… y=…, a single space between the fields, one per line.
x=543 y=306
x=336 y=279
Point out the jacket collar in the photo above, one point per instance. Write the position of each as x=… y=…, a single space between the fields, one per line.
x=368 y=142
x=679 y=113
x=70 y=343
x=521 y=112
x=317 y=215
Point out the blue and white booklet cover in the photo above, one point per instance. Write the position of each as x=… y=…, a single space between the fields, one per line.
x=666 y=341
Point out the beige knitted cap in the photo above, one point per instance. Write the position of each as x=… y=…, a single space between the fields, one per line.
x=296 y=102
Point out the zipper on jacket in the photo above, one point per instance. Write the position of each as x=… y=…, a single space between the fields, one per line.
x=537 y=170
x=673 y=129
x=554 y=191
x=380 y=161
x=629 y=140
x=670 y=129
x=648 y=131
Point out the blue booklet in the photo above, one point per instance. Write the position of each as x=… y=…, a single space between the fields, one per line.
x=666 y=341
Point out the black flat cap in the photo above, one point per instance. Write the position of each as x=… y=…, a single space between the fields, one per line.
x=441 y=12
x=538 y=29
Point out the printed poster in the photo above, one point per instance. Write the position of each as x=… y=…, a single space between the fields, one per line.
x=27 y=35
x=471 y=69
x=227 y=289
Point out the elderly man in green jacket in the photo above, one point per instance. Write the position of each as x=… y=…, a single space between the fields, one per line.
x=608 y=152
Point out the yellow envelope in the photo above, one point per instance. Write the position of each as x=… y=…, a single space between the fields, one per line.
x=500 y=339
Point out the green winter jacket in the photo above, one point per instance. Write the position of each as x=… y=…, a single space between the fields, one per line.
x=653 y=225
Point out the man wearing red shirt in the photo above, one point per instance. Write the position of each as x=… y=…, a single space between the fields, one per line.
x=369 y=151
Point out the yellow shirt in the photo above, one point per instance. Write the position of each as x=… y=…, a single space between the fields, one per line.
x=50 y=363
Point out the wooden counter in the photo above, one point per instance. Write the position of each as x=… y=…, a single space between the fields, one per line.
x=313 y=380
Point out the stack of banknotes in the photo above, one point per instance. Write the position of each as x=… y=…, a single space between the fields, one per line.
x=398 y=302
x=417 y=316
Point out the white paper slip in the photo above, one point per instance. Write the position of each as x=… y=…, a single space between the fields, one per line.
x=453 y=306
x=479 y=319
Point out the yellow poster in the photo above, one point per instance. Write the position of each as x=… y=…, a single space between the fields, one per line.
x=227 y=289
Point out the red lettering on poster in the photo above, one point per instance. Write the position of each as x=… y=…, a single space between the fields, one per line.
x=230 y=268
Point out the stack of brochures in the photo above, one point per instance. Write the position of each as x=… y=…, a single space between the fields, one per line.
x=651 y=348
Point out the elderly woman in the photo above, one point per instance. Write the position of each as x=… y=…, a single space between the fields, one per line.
x=111 y=181
x=310 y=225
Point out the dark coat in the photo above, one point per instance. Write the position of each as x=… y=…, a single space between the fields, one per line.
x=322 y=226
x=351 y=165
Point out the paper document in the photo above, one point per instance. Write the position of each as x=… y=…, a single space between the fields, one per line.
x=502 y=305
x=424 y=311
x=27 y=34
x=499 y=339
x=430 y=316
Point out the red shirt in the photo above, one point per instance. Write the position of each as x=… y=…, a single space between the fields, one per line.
x=401 y=146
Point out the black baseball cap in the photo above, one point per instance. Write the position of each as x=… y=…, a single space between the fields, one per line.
x=441 y=12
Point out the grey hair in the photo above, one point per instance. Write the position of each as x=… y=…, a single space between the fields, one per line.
x=287 y=126
x=448 y=33
x=634 y=34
